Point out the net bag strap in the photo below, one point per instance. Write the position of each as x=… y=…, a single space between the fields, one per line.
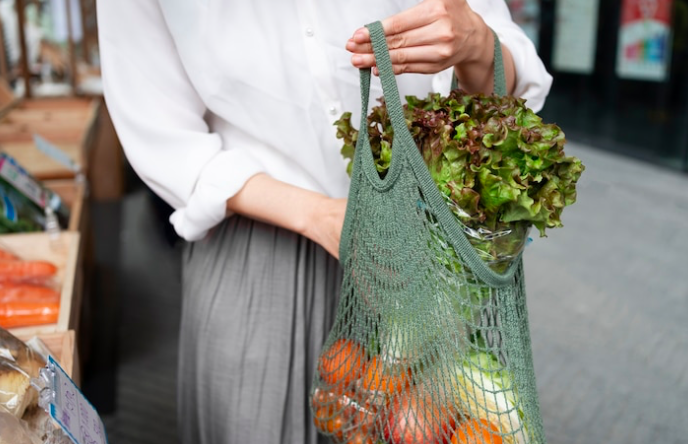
x=406 y=155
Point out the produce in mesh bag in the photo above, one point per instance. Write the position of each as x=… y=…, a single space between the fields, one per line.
x=498 y=166
x=431 y=341
x=374 y=398
x=430 y=368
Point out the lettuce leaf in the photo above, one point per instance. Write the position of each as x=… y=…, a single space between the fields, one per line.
x=493 y=158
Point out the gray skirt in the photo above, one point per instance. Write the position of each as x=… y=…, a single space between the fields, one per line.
x=258 y=302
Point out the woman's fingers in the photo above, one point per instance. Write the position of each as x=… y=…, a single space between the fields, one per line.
x=429 y=34
x=432 y=36
x=431 y=58
x=416 y=17
x=415 y=68
x=427 y=38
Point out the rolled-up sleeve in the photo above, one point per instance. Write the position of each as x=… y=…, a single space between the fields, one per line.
x=159 y=118
x=533 y=82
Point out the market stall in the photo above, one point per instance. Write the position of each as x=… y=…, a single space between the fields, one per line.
x=47 y=146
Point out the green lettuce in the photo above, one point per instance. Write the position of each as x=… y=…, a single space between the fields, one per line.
x=495 y=161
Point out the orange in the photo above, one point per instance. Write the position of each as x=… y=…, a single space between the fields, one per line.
x=342 y=363
x=329 y=422
x=387 y=379
x=360 y=437
x=476 y=432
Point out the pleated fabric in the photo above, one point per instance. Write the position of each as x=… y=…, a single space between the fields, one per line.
x=258 y=302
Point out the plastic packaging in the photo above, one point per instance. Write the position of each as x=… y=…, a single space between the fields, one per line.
x=17 y=215
x=29 y=294
x=67 y=406
x=52 y=225
x=499 y=248
x=28 y=197
x=18 y=364
x=24 y=314
x=14 y=431
x=15 y=269
x=41 y=427
x=345 y=417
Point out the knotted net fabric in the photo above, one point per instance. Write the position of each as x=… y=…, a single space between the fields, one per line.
x=430 y=345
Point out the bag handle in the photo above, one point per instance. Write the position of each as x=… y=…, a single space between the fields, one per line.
x=499 y=82
x=405 y=147
x=392 y=98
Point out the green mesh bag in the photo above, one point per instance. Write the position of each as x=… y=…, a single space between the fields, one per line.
x=429 y=345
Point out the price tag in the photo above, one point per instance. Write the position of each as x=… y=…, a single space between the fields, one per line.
x=70 y=409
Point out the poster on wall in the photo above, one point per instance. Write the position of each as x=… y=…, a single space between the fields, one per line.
x=644 y=50
x=526 y=13
x=575 y=36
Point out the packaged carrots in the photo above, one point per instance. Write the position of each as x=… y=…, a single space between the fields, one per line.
x=26 y=297
x=20 y=270
x=18 y=292
x=21 y=314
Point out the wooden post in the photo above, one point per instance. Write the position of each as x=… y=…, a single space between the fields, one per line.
x=4 y=70
x=26 y=74
x=71 y=46
x=85 y=40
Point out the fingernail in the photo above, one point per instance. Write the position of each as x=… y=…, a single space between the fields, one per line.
x=350 y=45
x=356 y=60
x=375 y=71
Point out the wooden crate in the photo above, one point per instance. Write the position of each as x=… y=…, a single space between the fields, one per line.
x=38 y=164
x=64 y=253
x=67 y=123
x=73 y=194
x=62 y=346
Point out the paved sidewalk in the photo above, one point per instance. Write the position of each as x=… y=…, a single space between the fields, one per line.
x=608 y=302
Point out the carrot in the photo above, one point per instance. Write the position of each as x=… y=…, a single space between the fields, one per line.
x=22 y=270
x=19 y=314
x=27 y=321
x=18 y=292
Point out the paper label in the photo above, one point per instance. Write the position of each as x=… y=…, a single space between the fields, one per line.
x=72 y=411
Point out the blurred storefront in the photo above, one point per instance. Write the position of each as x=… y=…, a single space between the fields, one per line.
x=620 y=70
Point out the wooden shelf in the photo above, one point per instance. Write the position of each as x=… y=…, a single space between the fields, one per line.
x=62 y=346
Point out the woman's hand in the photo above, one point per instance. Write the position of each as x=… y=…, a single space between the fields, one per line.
x=326 y=222
x=313 y=215
x=433 y=36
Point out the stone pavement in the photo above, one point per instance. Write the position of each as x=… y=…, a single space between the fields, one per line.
x=607 y=295
x=608 y=303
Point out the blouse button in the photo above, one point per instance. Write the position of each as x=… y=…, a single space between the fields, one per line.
x=309 y=32
x=332 y=110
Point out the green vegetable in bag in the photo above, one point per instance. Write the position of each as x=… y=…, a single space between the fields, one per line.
x=499 y=167
x=430 y=344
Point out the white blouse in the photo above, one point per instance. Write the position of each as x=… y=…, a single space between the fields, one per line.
x=205 y=94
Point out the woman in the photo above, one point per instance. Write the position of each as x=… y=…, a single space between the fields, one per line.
x=226 y=110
